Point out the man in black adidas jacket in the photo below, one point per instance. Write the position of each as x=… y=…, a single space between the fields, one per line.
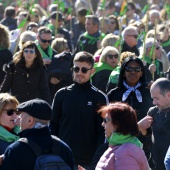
x=75 y=119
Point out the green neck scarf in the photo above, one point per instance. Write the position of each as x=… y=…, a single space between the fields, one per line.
x=2 y=48
x=118 y=139
x=166 y=43
x=91 y=40
x=102 y=66
x=44 y=55
x=149 y=61
x=7 y=136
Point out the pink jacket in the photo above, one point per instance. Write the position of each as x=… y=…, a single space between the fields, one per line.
x=124 y=157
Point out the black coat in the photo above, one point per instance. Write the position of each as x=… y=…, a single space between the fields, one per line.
x=19 y=155
x=26 y=84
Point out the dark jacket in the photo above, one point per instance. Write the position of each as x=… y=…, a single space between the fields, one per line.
x=88 y=44
x=5 y=58
x=134 y=49
x=76 y=121
x=19 y=156
x=9 y=22
x=26 y=84
x=160 y=135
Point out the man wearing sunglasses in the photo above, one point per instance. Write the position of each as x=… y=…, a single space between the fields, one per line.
x=44 y=40
x=75 y=119
x=130 y=35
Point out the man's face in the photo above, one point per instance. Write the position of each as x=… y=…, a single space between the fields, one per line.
x=24 y=121
x=44 y=36
x=79 y=76
x=131 y=37
x=90 y=27
x=162 y=101
x=153 y=17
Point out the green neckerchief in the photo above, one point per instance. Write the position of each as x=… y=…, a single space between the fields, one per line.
x=102 y=66
x=44 y=55
x=165 y=44
x=119 y=139
x=92 y=40
x=114 y=76
x=7 y=136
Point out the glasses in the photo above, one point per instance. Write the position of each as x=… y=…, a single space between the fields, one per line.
x=29 y=51
x=157 y=48
x=135 y=36
x=105 y=120
x=45 y=41
x=10 y=112
x=111 y=56
x=135 y=69
x=84 y=70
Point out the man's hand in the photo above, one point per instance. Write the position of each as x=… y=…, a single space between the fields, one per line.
x=54 y=80
x=144 y=124
x=152 y=68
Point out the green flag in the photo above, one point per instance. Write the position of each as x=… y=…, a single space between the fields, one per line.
x=22 y=23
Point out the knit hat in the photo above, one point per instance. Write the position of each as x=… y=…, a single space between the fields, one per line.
x=37 y=108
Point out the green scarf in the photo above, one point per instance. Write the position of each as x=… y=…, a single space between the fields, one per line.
x=114 y=76
x=166 y=43
x=118 y=139
x=7 y=136
x=2 y=48
x=102 y=66
x=44 y=55
x=91 y=40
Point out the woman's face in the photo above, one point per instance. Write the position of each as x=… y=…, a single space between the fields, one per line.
x=5 y=119
x=29 y=55
x=112 y=25
x=133 y=73
x=108 y=126
x=112 y=58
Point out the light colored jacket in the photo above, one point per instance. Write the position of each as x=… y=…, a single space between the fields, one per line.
x=123 y=157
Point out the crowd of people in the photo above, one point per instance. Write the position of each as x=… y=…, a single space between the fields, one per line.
x=87 y=81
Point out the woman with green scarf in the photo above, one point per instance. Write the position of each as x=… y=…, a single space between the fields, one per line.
x=8 y=128
x=107 y=63
x=125 y=150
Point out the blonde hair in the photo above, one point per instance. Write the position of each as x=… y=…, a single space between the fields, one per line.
x=124 y=55
x=109 y=40
x=59 y=44
x=6 y=98
x=105 y=53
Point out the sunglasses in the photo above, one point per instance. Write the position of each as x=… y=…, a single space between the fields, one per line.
x=105 y=120
x=135 y=36
x=135 y=69
x=111 y=56
x=157 y=48
x=45 y=41
x=10 y=112
x=29 y=51
x=84 y=70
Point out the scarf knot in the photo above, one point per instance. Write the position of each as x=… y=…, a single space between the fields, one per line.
x=130 y=89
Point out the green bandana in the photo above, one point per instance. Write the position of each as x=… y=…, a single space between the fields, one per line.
x=165 y=44
x=2 y=48
x=7 y=136
x=114 y=76
x=91 y=40
x=149 y=61
x=118 y=139
x=44 y=55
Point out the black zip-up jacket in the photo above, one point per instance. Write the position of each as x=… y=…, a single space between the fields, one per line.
x=76 y=121
x=160 y=135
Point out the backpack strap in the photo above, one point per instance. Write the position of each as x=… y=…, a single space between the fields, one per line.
x=33 y=145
